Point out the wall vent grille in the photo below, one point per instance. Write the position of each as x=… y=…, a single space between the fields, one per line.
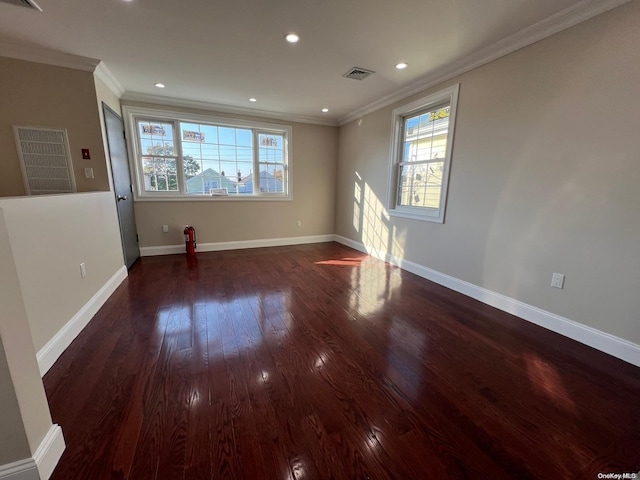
x=357 y=73
x=45 y=160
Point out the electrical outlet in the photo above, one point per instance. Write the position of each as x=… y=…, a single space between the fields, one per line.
x=165 y=228
x=83 y=270
x=299 y=223
x=557 y=280
x=88 y=172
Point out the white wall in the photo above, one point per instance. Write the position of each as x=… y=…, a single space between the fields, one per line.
x=50 y=237
x=13 y=439
x=545 y=178
x=24 y=414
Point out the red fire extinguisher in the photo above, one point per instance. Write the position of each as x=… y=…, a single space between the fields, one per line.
x=190 y=240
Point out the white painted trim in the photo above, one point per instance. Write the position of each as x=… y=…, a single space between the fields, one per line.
x=398 y=117
x=562 y=20
x=21 y=470
x=615 y=346
x=112 y=83
x=52 y=350
x=32 y=53
x=44 y=460
x=218 y=107
x=242 y=244
x=213 y=198
x=49 y=452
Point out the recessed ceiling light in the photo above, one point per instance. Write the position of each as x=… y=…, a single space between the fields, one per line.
x=401 y=65
x=325 y=110
x=253 y=100
x=159 y=85
x=292 y=38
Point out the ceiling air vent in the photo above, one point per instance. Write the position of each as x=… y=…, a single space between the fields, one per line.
x=23 y=3
x=358 y=73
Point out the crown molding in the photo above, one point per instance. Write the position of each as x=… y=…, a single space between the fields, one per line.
x=32 y=53
x=217 y=107
x=104 y=74
x=558 y=22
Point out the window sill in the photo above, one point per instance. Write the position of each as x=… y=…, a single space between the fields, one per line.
x=208 y=198
x=417 y=216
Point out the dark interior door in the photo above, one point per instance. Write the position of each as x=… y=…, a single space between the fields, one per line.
x=122 y=184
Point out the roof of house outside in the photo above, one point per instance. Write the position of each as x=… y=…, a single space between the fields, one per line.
x=201 y=183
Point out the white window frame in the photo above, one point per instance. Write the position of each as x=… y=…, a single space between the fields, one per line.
x=398 y=117
x=132 y=114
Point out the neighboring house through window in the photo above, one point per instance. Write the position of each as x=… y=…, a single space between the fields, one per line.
x=421 y=156
x=179 y=155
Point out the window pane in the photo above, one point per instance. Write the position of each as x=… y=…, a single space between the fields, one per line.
x=192 y=167
x=191 y=149
x=227 y=153
x=271 y=147
x=420 y=185
x=244 y=138
x=425 y=135
x=210 y=151
x=227 y=135
x=271 y=178
x=156 y=138
x=245 y=154
x=244 y=179
x=244 y=169
x=205 y=182
x=210 y=165
x=217 y=157
x=271 y=162
x=160 y=174
x=211 y=133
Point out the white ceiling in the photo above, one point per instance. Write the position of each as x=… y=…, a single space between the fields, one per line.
x=224 y=52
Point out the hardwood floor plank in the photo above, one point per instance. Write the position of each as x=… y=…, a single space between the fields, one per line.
x=328 y=463
x=319 y=362
x=198 y=453
x=224 y=459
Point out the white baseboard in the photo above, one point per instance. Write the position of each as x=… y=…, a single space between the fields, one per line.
x=43 y=462
x=219 y=246
x=615 y=346
x=52 y=350
x=49 y=452
x=22 y=470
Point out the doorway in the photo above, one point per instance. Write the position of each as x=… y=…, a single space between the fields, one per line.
x=114 y=127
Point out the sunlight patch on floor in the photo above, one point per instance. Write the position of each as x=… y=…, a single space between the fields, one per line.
x=349 y=262
x=372 y=285
x=546 y=380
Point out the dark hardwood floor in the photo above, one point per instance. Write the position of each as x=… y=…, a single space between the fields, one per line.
x=318 y=362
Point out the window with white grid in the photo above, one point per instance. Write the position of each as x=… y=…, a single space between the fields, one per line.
x=421 y=155
x=196 y=157
x=271 y=156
